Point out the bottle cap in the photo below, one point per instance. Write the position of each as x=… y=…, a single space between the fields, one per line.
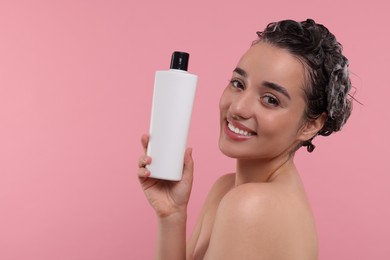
x=179 y=60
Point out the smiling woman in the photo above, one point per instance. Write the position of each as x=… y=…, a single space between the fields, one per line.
x=291 y=85
x=265 y=95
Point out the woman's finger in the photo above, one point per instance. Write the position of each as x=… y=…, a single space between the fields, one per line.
x=188 y=168
x=143 y=172
x=144 y=160
x=145 y=141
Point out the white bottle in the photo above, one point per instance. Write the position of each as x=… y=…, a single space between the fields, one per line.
x=173 y=98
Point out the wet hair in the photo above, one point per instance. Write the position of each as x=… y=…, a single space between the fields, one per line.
x=328 y=82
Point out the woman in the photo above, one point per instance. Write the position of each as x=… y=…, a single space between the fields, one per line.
x=290 y=86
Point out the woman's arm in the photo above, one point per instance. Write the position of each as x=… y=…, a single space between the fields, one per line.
x=169 y=200
x=197 y=245
x=171 y=237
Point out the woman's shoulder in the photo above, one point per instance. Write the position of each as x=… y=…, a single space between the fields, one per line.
x=257 y=215
x=254 y=199
x=222 y=185
x=257 y=198
x=262 y=201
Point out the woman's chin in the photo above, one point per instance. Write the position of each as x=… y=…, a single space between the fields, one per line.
x=231 y=152
x=224 y=149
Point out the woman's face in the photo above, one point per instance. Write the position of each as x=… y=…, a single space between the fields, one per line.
x=262 y=108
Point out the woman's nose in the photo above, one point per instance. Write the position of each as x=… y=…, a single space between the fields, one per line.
x=242 y=105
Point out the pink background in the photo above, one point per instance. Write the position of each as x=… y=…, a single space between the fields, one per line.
x=76 y=82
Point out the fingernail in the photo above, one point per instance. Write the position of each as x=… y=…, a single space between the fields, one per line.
x=145 y=160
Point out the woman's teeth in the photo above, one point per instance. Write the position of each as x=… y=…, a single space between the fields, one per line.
x=238 y=131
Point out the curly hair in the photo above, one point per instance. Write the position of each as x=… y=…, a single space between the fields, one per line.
x=328 y=82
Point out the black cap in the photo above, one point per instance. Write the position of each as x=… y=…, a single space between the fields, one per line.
x=179 y=60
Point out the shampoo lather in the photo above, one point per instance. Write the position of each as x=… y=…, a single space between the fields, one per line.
x=173 y=98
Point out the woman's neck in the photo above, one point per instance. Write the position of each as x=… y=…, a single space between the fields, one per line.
x=257 y=170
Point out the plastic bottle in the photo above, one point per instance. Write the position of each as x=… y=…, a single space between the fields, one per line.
x=173 y=98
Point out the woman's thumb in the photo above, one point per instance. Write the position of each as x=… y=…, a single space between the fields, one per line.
x=188 y=164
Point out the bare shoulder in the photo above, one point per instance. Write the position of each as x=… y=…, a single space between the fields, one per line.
x=199 y=240
x=220 y=187
x=263 y=221
x=254 y=204
x=223 y=183
x=251 y=194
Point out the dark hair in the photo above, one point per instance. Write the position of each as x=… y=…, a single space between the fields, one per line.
x=328 y=81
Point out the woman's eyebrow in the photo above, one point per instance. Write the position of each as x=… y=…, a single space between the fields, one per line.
x=277 y=88
x=240 y=72
x=266 y=84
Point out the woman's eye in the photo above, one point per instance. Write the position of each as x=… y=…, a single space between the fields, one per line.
x=271 y=100
x=237 y=84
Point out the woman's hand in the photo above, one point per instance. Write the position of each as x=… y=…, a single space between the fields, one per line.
x=166 y=197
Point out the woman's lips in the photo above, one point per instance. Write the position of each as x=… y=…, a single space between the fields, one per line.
x=237 y=131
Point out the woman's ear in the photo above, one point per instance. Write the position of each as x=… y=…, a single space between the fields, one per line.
x=311 y=127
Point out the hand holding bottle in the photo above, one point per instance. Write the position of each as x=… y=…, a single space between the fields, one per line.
x=166 y=197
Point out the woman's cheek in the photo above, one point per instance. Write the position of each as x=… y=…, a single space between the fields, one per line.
x=223 y=102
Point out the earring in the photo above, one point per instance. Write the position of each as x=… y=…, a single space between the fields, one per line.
x=309 y=145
